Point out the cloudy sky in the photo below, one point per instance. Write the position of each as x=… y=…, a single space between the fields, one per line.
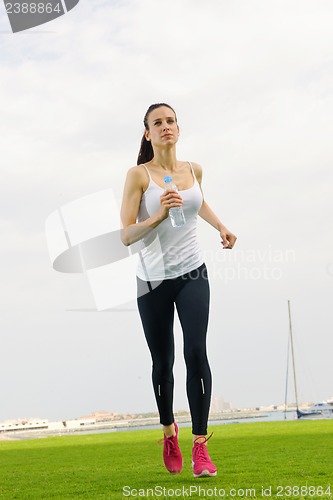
x=252 y=84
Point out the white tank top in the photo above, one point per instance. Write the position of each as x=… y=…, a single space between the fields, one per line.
x=167 y=251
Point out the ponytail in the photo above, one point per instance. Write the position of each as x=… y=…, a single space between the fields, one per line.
x=146 y=152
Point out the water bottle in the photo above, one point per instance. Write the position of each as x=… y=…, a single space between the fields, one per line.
x=177 y=216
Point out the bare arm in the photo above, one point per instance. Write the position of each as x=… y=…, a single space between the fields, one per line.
x=206 y=213
x=134 y=186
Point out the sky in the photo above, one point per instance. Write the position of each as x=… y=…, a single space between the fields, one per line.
x=252 y=85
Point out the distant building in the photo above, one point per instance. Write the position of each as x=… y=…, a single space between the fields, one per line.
x=218 y=404
x=24 y=424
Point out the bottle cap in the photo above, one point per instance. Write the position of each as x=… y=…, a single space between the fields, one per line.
x=168 y=178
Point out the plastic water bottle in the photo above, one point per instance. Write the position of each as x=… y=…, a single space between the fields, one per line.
x=176 y=214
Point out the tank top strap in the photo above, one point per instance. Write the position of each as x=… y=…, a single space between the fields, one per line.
x=192 y=170
x=143 y=165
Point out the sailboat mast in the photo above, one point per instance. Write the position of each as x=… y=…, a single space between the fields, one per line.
x=292 y=353
x=287 y=379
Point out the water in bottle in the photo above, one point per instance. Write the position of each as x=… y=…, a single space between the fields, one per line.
x=176 y=214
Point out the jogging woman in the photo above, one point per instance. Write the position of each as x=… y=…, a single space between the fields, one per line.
x=171 y=272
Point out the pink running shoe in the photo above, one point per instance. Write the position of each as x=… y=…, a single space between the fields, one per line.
x=172 y=455
x=201 y=462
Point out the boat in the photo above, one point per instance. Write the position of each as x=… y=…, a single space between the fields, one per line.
x=318 y=410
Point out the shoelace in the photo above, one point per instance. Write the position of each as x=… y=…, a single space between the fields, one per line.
x=200 y=449
x=170 y=445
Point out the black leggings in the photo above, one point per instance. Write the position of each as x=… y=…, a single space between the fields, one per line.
x=156 y=300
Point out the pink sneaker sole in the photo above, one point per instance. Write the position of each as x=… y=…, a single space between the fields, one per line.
x=201 y=461
x=205 y=473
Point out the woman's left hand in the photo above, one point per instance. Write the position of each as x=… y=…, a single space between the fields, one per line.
x=228 y=239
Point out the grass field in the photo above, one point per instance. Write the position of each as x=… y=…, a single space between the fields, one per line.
x=283 y=460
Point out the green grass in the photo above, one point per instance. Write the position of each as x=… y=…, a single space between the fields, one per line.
x=248 y=456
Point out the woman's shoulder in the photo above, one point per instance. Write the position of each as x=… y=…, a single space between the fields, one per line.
x=197 y=170
x=137 y=172
x=138 y=175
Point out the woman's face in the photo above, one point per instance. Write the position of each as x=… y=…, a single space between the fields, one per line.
x=162 y=127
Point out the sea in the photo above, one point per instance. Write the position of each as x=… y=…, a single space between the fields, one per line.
x=274 y=416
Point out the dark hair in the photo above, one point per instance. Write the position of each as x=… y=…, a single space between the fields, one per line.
x=146 y=152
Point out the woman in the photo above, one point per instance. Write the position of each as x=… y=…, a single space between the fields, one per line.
x=171 y=273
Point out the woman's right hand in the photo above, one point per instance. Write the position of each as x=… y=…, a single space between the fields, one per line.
x=169 y=199
x=133 y=230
